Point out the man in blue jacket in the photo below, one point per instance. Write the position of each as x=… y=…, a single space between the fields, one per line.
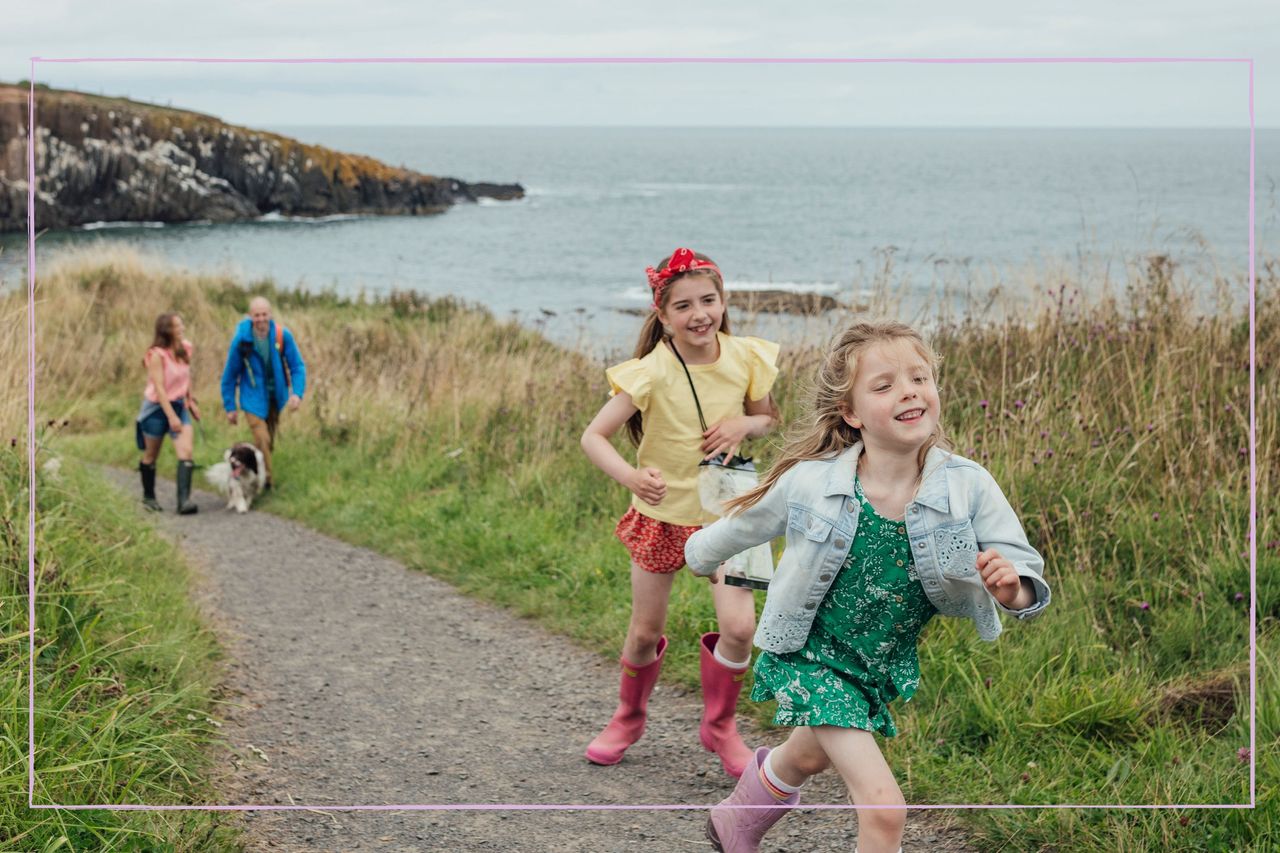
x=264 y=365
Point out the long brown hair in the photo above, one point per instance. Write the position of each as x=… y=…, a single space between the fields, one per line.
x=652 y=333
x=164 y=337
x=821 y=431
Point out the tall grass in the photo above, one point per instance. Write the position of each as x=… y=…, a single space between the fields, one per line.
x=124 y=674
x=1115 y=418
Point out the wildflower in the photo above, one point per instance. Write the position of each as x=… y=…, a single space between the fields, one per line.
x=940 y=741
x=986 y=682
x=1244 y=754
x=1176 y=760
x=13 y=442
x=1049 y=452
x=1239 y=596
x=1227 y=407
x=1184 y=820
x=1155 y=516
x=1151 y=427
x=1095 y=443
x=1144 y=605
x=982 y=403
x=1026 y=777
x=1044 y=433
x=1244 y=451
x=1018 y=404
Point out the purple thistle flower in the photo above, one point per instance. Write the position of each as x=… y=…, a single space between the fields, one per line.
x=1144 y=605
x=1018 y=404
x=1155 y=516
x=1239 y=596
x=982 y=403
x=1244 y=754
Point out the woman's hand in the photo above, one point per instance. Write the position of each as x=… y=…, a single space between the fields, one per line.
x=726 y=436
x=648 y=485
x=1001 y=579
x=175 y=424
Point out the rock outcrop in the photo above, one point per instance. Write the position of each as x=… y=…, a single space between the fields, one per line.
x=110 y=159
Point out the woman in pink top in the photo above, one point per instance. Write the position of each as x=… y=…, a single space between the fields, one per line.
x=167 y=406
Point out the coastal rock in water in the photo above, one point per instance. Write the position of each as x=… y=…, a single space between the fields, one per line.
x=782 y=302
x=109 y=159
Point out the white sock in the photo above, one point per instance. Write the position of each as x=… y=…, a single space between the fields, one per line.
x=729 y=664
x=773 y=777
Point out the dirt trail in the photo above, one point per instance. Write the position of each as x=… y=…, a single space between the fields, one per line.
x=360 y=682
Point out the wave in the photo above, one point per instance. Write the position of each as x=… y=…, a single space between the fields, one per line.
x=277 y=216
x=100 y=226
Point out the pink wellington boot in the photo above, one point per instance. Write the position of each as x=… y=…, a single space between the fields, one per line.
x=720 y=689
x=628 y=721
x=734 y=830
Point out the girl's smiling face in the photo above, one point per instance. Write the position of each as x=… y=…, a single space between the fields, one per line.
x=694 y=311
x=895 y=402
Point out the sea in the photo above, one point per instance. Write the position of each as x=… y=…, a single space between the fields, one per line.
x=940 y=216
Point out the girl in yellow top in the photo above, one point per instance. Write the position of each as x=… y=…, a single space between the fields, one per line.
x=651 y=395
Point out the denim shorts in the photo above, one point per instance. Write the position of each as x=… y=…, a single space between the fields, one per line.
x=156 y=424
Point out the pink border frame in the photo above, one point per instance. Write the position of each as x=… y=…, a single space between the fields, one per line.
x=483 y=60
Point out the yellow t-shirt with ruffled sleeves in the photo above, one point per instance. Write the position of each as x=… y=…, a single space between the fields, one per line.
x=672 y=440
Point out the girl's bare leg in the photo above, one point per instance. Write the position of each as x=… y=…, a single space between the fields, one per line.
x=650 y=594
x=858 y=760
x=736 y=617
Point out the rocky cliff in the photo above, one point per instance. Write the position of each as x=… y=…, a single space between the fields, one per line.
x=110 y=159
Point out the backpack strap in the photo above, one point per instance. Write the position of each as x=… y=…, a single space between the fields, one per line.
x=284 y=364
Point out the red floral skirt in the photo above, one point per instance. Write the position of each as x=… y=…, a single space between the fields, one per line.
x=655 y=546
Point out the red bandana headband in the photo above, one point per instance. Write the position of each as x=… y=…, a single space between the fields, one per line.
x=682 y=261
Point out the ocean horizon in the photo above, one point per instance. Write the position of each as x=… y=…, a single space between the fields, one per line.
x=938 y=213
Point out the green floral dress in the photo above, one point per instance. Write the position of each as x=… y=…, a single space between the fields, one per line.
x=861 y=650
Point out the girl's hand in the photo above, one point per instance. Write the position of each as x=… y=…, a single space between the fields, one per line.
x=648 y=485
x=726 y=436
x=999 y=576
x=175 y=424
x=193 y=408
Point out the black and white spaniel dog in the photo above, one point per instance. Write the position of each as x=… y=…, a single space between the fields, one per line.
x=240 y=475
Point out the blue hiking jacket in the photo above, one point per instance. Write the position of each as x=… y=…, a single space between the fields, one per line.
x=245 y=371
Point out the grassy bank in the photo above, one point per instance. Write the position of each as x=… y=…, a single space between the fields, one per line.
x=124 y=673
x=1116 y=422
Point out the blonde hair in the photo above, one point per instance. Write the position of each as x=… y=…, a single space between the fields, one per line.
x=821 y=431
x=652 y=333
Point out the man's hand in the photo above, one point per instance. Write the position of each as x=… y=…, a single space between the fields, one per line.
x=231 y=417
x=294 y=402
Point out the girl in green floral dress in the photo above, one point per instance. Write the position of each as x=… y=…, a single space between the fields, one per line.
x=884 y=527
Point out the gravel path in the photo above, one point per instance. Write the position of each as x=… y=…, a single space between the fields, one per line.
x=357 y=681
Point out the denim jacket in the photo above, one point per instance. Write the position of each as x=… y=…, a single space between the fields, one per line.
x=957 y=512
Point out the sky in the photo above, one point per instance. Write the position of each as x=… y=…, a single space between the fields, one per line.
x=891 y=94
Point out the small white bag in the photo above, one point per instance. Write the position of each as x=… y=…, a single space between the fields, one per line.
x=720 y=481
